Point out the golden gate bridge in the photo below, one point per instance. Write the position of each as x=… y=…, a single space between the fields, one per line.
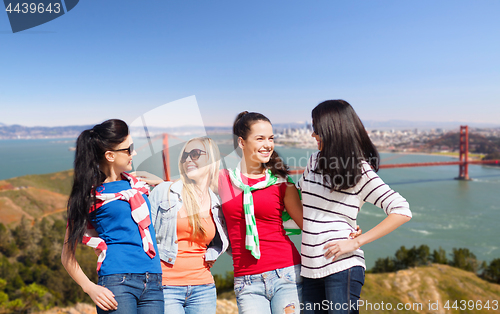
x=462 y=163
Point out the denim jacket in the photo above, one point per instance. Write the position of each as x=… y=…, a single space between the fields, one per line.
x=166 y=202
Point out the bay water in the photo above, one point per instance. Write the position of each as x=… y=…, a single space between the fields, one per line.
x=447 y=213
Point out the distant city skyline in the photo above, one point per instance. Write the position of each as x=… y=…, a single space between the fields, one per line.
x=138 y=128
x=369 y=124
x=417 y=61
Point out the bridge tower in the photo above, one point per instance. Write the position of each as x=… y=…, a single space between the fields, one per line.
x=166 y=158
x=463 y=168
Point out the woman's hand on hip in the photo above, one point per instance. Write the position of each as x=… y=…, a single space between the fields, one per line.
x=336 y=248
x=209 y=264
x=357 y=233
x=102 y=297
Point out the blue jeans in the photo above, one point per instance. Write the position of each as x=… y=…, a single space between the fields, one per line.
x=135 y=293
x=337 y=293
x=190 y=299
x=275 y=291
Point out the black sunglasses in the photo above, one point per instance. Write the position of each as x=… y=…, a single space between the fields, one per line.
x=194 y=154
x=314 y=129
x=129 y=149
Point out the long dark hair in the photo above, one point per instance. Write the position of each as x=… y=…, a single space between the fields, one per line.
x=241 y=128
x=91 y=146
x=345 y=144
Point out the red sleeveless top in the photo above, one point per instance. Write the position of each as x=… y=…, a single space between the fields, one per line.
x=276 y=248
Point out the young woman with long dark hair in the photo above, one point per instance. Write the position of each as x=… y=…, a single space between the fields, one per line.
x=337 y=181
x=108 y=209
x=190 y=229
x=254 y=196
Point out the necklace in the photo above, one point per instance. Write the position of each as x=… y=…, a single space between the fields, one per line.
x=201 y=198
x=255 y=175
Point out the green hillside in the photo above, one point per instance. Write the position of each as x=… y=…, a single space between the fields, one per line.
x=34 y=197
x=32 y=277
x=421 y=290
x=59 y=182
x=433 y=286
x=32 y=227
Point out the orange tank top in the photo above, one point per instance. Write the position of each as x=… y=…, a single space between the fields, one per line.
x=190 y=267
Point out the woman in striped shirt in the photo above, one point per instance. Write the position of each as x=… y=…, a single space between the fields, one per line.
x=337 y=181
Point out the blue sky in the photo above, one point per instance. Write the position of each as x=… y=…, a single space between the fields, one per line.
x=407 y=60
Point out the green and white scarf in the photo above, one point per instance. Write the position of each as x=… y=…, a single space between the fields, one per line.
x=252 y=235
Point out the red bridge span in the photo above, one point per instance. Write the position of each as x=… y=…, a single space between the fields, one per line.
x=463 y=160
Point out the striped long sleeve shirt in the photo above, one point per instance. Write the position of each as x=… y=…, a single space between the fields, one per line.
x=331 y=216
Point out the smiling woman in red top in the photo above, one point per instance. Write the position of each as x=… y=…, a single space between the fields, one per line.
x=254 y=196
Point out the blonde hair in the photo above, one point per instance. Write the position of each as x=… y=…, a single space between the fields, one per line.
x=189 y=189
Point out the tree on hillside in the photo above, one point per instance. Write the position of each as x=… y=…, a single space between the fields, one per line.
x=8 y=246
x=403 y=259
x=224 y=283
x=384 y=265
x=439 y=256
x=492 y=271
x=37 y=268
x=421 y=256
x=22 y=233
x=412 y=257
x=464 y=259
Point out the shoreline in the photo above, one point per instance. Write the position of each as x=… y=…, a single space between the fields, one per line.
x=453 y=155
x=472 y=156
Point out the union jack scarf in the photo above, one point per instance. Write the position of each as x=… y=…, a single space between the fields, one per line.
x=252 y=235
x=140 y=214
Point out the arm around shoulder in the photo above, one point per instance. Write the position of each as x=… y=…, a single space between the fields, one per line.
x=293 y=204
x=220 y=242
x=159 y=194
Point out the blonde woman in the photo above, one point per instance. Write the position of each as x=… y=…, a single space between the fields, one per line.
x=190 y=229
